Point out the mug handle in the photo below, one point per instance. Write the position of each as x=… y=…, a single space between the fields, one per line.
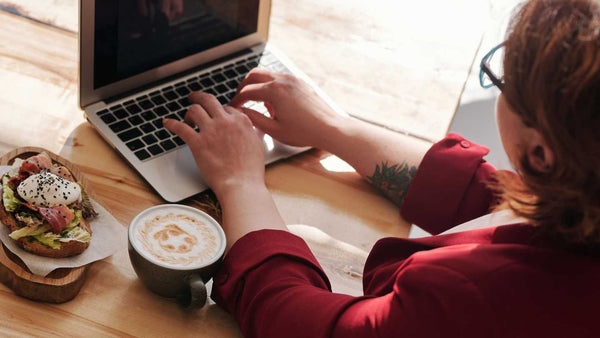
x=195 y=295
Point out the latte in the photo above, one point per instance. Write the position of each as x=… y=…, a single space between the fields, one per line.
x=176 y=237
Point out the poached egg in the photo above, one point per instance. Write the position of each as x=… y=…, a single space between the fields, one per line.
x=47 y=190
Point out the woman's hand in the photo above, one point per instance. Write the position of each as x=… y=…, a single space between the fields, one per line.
x=299 y=117
x=230 y=157
x=226 y=148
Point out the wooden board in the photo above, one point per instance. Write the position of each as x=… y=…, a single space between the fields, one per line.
x=60 y=285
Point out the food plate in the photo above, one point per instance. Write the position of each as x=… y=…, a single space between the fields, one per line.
x=61 y=285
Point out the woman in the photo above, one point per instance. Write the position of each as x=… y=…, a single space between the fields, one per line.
x=537 y=278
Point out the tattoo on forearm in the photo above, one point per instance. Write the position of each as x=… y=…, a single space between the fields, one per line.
x=393 y=181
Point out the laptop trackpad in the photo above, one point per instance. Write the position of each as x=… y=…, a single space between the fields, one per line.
x=186 y=164
x=175 y=175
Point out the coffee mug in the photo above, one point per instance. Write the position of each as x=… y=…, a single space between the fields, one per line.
x=175 y=250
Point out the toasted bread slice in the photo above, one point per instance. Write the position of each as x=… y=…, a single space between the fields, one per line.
x=67 y=249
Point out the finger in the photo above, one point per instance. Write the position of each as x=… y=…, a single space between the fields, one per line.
x=209 y=102
x=180 y=129
x=260 y=121
x=251 y=92
x=269 y=109
x=196 y=116
x=231 y=111
x=256 y=76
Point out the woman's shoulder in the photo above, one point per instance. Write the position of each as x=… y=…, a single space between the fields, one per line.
x=503 y=276
x=490 y=259
x=513 y=287
x=491 y=250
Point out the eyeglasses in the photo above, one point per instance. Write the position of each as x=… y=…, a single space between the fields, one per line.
x=490 y=68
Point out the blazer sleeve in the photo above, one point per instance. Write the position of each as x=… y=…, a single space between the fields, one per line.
x=450 y=186
x=274 y=287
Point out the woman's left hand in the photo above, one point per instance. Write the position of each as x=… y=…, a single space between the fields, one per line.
x=226 y=148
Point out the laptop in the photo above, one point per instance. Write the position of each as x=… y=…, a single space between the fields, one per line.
x=139 y=60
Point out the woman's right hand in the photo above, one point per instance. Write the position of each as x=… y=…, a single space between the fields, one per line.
x=299 y=117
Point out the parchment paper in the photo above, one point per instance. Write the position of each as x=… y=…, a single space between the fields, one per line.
x=108 y=237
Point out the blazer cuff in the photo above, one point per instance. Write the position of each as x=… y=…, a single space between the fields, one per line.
x=252 y=250
x=438 y=189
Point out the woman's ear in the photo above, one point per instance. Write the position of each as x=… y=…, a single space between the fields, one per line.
x=539 y=154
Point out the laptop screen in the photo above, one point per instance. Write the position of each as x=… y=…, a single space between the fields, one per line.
x=134 y=36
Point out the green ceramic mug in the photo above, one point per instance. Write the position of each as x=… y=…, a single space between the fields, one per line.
x=175 y=250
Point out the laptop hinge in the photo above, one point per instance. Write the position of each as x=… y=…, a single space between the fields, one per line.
x=178 y=75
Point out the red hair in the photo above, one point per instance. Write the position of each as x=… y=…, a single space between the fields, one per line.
x=552 y=81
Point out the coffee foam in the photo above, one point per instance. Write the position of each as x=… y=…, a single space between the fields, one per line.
x=176 y=237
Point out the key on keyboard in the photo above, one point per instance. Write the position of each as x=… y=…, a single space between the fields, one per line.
x=138 y=122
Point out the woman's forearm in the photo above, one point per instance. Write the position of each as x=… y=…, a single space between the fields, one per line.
x=247 y=208
x=386 y=159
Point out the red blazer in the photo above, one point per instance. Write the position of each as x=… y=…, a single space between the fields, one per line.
x=505 y=281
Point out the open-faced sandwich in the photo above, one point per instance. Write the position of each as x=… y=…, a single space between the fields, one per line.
x=45 y=208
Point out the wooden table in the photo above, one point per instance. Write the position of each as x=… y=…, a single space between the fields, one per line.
x=338 y=214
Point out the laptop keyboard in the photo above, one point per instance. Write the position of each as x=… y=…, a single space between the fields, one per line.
x=138 y=122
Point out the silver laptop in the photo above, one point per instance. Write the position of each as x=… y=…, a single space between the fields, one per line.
x=139 y=60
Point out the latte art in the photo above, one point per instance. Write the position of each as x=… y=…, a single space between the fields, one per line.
x=177 y=238
x=169 y=239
